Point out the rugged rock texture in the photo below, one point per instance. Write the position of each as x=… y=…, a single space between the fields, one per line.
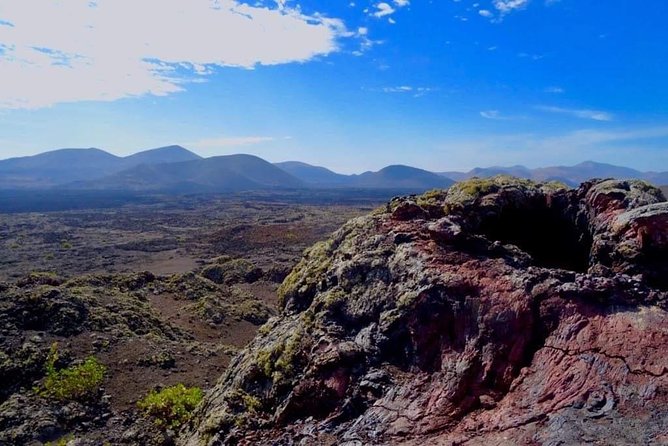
x=499 y=312
x=148 y=331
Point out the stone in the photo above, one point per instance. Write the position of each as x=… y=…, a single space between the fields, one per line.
x=507 y=312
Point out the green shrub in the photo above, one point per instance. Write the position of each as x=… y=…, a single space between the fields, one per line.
x=61 y=441
x=77 y=382
x=172 y=406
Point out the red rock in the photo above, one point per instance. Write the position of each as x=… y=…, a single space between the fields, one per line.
x=527 y=315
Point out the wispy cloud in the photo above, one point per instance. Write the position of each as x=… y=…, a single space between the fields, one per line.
x=554 y=90
x=491 y=114
x=530 y=56
x=384 y=9
x=365 y=42
x=501 y=8
x=415 y=91
x=55 y=51
x=496 y=115
x=507 y=6
x=596 y=115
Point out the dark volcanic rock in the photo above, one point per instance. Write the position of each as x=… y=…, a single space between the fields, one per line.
x=502 y=312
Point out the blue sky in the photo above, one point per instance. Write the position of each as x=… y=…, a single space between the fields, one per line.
x=442 y=84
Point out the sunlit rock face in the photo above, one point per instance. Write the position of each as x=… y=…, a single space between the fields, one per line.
x=501 y=311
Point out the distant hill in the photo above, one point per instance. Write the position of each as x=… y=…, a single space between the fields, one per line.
x=64 y=166
x=571 y=175
x=217 y=174
x=58 y=166
x=313 y=175
x=400 y=177
x=657 y=178
x=391 y=177
x=168 y=154
x=584 y=171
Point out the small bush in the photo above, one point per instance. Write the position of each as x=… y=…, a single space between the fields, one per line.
x=77 y=382
x=172 y=406
x=63 y=441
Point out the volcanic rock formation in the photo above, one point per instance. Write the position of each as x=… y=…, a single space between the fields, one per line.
x=499 y=312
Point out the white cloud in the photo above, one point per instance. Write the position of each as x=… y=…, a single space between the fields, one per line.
x=507 y=6
x=491 y=114
x=498 y=116
x=595 y=115
x=554 y=90
x=383 y=9
x=54 y=51
x=415 y=91
x=486 y=13
x=400 y=89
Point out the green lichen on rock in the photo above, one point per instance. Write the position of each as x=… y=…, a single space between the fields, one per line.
x=232 y=271
x=280 y=362
x=478 y=187
x=626 y=193
x=476 y=191
x=306 y=274
x=432 y=197
x=333 y=298
x=231 y=302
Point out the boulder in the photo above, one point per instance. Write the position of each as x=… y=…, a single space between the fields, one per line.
x=502 y=312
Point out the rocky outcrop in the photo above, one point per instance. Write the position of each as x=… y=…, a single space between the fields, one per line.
x=147 y=331
x=499 y=312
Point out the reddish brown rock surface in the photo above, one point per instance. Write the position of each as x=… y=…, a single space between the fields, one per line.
x=501 y=312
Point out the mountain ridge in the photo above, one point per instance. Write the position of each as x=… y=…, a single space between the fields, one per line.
x=570 y=175
x=72 y=168
x=215 y=174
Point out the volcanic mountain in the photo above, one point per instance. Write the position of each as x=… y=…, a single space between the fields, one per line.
x=215 y=174
x=313 y=175
x=64 y=166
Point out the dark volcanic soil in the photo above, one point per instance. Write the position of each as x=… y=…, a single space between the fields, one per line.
x=168 y=237
x=212 y=269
